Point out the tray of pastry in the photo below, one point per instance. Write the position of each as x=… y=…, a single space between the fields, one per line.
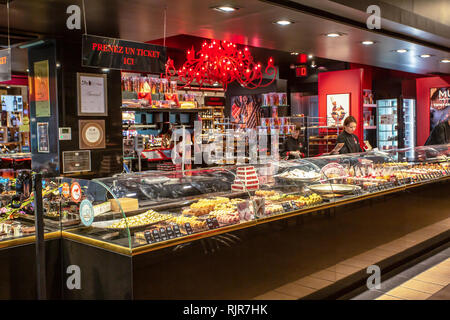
x=142 y=220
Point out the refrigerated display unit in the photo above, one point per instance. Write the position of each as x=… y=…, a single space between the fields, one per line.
x=396 y=125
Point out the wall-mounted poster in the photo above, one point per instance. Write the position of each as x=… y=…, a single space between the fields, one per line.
x=42 y=137
x=92 y=134
x=92 y=96
x=246 y=110
x=41 y=88
x=338 y=108
x=439 y=106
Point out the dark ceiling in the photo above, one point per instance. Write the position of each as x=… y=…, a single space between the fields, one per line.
x=252 y=24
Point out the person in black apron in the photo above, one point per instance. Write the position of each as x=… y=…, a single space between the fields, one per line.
x=293 y=147
x=440 y=134
x=348 y=138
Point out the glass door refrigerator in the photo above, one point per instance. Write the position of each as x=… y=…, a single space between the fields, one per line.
x=407 y=127
x=387 y=120
x=396 y=119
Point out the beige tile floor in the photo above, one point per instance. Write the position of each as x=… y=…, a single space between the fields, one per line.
x=423 y=286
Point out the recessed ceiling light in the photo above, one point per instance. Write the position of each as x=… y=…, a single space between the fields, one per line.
x=333 y=35
x=310 y=56
x=425 y=55
x=8 y=87
x=283 y=22
x=105 y=70
x=58 y=65
x=225 y=9
x=294 y=53
x=445 y=60
x=28 y=70
x=401 y=50
x=367 y=42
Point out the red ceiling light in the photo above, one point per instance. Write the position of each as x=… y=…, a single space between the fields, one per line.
x=221 y=62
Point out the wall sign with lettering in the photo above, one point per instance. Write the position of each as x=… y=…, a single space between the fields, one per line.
x=101 y=52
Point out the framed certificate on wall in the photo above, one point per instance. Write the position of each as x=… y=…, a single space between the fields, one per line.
x=92 y=134
x=92 y=94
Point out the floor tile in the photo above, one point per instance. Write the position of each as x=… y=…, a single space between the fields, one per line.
x=355 y=263
x=388 y=297
x=273 y=295
x=433 y=278
x=344 y=269
x=327 y=275
x=368 y=295
x=313 y=283
x=392 y=283
x=422 y=286
x=295 y=290
x=409 y=294
x=382 y=253
x=443 y=294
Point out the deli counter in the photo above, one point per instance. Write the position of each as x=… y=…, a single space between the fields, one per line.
x=148 y=216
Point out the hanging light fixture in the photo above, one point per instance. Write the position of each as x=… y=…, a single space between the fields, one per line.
x=221 y=62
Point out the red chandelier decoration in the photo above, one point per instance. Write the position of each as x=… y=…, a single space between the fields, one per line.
x=221 y=62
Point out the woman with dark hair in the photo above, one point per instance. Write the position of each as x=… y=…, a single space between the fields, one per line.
x=348 y=140
x=292 y=147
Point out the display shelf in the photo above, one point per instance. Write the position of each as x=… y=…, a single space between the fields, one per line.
x=137 y=126
x=159 y=109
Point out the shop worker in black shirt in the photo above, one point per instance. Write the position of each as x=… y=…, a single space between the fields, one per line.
x=292 y=146
x=347 y=138
x=440 y=134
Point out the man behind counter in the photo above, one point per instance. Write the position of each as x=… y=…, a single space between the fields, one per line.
x=440 y=134
x=292 y=146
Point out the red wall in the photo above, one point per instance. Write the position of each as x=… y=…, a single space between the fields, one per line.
x=423 y=86
x=345 y=81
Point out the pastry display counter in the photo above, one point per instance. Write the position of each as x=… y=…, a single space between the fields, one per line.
x=141 y=212
x=133 y=223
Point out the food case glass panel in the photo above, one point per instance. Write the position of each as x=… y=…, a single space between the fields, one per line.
x=134 y=210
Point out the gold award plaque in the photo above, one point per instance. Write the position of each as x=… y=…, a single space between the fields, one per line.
x=92 y=134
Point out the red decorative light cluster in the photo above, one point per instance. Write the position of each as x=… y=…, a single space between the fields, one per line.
x=221 y=62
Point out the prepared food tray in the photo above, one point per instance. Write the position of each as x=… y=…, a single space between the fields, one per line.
x=300 y=175
x=334 y=188
x=138 y=221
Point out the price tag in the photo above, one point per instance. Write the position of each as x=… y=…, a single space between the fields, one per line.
x=209 y=223
x=148 y=237
x=215 y=222
x=176 y=230
x=188 y=228
x=163 y=234
x=170 y=233
x=156 y=235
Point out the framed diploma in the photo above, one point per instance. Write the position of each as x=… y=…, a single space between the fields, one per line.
x=92 y=134
x=92 y=94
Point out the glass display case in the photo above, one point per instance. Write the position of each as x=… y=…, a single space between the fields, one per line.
x=132 y=211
